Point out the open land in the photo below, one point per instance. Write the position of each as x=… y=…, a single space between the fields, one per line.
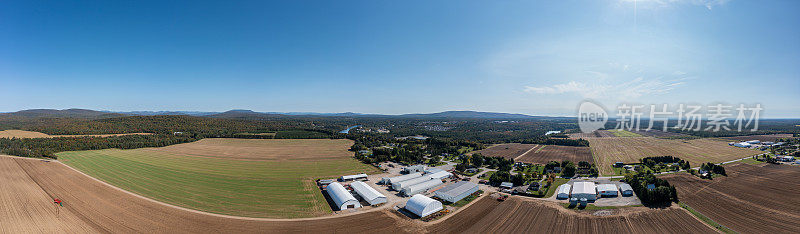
x=100 y=208
x=29 y=134
x=512 y=150
x=752 y=199
x=607 y=151
x=522 y=215
x=771 y=137
x=240 y=177
x=547 y=153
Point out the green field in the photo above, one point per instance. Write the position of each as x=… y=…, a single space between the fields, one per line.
x=623 y=133
x=253 y=188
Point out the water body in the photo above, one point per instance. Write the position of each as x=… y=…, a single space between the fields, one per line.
x=348 y=129
x=552 y=132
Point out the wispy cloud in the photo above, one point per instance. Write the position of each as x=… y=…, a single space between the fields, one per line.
x=710 y=4
x=634 y=88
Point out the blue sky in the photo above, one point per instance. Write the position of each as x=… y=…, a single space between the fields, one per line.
x=531 y=57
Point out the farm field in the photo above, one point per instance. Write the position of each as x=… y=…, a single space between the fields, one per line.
x=511 y=150
x=547 y=153
x=771 y=137
x=658 y=133
x=109 y=210
x=606 y=151
x=240 y=177
x=623 y=133
x=752 y=199
x=519 y=215
x=29 y=134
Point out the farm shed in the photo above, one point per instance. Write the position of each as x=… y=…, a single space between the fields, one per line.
x=742 y=144
x=607 y=190
x=423 y=206
x=507 y=185
x=584 y=190
x=432 y=170
x=390 y=180
x=440 y=175
x=369 y=194
x=456 y=192
x=415 y=168
x=563 y=191
x=354 y=177
x=341 y=197
x=626 y=189
x=421 y=187
x=404 y=184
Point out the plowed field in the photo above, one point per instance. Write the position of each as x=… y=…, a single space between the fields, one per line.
x=547 y=153
x=752 y=199
x=512 y=150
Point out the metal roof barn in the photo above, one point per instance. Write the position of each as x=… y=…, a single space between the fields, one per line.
x=369 y=194
x=440 y=175
x=433 y=170
x=390 y=180
x=563 y=191
x=404 y=184
x=423 y=206
x=341 y=197
x=415 y=168
x=455 y=192
x=607 y=189
x=421 y=187
x=626 y=189
x=584 y=190
x=354 y=177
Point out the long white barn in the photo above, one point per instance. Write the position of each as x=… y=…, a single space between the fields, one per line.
x=369 y=194
x=341 y=197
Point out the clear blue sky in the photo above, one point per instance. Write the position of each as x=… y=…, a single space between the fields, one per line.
x=398 y=56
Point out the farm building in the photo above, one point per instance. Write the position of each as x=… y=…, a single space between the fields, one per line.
x=369 y=194
x=415 y=168
x=742 y=144
x=626 y=189
x=456 y=192
x=361 y=176
x=753 y=142
x=341 y=197
x=585 y=190
x=423 y=206
x=432 y=170
x=507 y=185
x=325 y=182
x=421 y=187
x=404 y=184
x=563 y=191
x=440 y=175
x=607 y=190
x=390 y=180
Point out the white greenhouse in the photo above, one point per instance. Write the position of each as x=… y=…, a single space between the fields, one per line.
x=369 y=194
x=390 y=180
x=456 y=192
x=563 y=191
x=404 y=184
x=423 y=206
x=421 y=187
x=341 y=197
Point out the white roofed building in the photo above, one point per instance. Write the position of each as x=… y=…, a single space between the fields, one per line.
x=585 y=190
x=440 y=175
x=563 y=191
x=423 y=206
x=607 y=190
x=415 y=168
x=404 y=184
x=369 y=194
x=361 y=176
x=341 y=197
x=455 y=192
x=390 y=180
x=421 y=187
x=626 y=189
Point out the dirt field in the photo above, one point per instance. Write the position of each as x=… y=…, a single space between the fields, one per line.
x=241 y=177
x=606 y=151
x=752 y=199
x=512 y=150
x=598 y=133
x=106 y=209
x=547 y=153
x=772 y=137
x=657 y=133
x=29 y=134
x=520 y=215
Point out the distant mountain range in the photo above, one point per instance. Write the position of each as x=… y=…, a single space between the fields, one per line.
x=249 y=114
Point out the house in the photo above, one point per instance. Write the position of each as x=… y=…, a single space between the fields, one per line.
x=506 y=185
x=534 y=186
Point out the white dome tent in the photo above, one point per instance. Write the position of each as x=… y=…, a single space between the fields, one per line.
x=423 y=206
x=341 y=197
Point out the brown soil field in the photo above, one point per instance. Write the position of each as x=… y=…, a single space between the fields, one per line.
x=29 y=134
x=772 y=137
x=511 y=150
x=547 y=153
x=752 y=199
x=598 y=133
x=522 y=215
x=257 y=149
x=106 y=209
x=608 y=150
x=658 y=133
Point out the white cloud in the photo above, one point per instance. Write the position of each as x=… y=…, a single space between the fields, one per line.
x=644 y=4
x=634 y=88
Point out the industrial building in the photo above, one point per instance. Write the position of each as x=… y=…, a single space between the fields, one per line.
x=563 y=191
x=423 y=206
x=432 y=170
x=415 y=168
x=456 y=192
x=390 y=180
x=626 y=189
x=440 y=175
x=361 y=176
x=585 y=190
x=609 y=190
x=421 y=187
x=341 y=197
x=369 y=194
x=400 y=185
